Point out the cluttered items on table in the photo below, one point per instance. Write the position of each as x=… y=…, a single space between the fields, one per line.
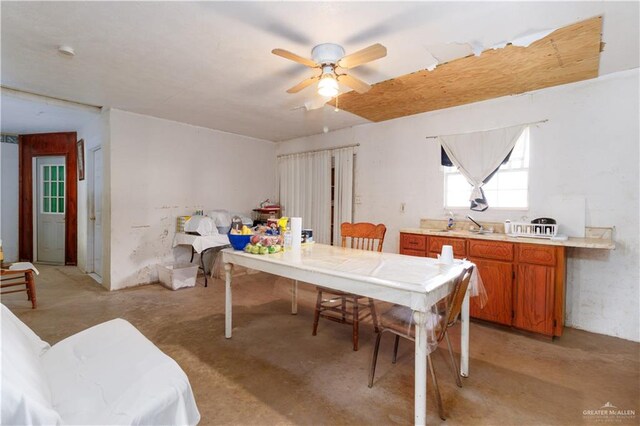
x=274 y=236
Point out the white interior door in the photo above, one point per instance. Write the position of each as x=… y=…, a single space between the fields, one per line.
x=96 y=211
x=51 y=207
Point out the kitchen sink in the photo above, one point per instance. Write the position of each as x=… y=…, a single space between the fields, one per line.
x=481 y=231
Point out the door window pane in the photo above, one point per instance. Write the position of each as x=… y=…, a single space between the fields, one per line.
x=53 y=191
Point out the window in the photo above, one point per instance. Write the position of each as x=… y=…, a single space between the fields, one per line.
x=52 y=189
x=507 y=189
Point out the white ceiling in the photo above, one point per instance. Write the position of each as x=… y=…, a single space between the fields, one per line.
x=209 y=64
x=24 y=115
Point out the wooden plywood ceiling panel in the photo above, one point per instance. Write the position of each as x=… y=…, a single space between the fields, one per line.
x=567 y=55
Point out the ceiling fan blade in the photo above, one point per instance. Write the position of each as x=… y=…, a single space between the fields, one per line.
x=363 y=56
x=304 y=83
x=353 y=82
x=293 y=57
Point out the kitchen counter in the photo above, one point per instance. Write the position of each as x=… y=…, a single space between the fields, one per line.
x=595 y=243
x=524 y=277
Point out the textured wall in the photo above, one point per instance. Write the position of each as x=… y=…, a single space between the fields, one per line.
x=162 y=169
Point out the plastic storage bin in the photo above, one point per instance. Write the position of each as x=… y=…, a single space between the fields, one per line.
x=177 y=275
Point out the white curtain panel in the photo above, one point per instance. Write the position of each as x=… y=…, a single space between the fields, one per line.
x=343 y=195
x=304 y=182
x=478 y=154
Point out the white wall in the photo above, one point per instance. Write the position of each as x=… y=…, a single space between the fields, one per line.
x=162 y=169
x=588 y=147
x=9 y=204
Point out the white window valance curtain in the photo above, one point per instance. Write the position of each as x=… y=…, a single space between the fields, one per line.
x=478 y=155
x=343 y=190
x=304 y=186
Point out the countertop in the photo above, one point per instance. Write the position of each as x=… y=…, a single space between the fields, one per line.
x=595 y=243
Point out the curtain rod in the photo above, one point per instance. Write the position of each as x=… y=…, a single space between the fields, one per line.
x=488 y=130
x=319 y=150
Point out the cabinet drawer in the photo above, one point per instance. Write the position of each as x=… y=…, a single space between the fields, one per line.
x=409 y=252
x=491 y=250
x=459 y=247
x=413 y=242
x=537 y=254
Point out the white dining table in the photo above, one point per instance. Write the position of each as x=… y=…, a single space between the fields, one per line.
x=416 y=282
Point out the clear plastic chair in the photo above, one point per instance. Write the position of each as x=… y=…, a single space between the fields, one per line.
x=347 y=308
x=399 y=321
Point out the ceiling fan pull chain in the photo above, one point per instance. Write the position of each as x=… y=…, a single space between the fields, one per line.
x=337 y=108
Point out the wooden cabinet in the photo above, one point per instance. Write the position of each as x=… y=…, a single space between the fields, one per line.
x=524 y=282
x=494 y=261
x=537 y=254
x=430 y=246
x=539 y=289
x=491 y=250
x=412 y=244
x=459 y=246
x=534 y=298
x=497 y=278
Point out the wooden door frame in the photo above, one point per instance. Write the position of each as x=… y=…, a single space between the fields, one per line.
x=45 y=145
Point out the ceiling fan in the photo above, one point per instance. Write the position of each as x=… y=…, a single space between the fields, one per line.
x=330 y=60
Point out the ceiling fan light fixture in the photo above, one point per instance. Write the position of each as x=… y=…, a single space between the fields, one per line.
x=328 y=86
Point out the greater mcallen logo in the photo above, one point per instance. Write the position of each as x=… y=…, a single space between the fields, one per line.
x=609 y=413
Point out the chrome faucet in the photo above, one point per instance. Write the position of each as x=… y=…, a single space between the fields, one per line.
x=472 y=220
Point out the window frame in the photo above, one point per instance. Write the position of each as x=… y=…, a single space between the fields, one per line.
x=448 y=171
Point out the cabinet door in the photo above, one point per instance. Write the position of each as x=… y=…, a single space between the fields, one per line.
x=534 y=298
x=497 y=278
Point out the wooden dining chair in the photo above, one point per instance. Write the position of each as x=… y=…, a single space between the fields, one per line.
x=399 y=321
x=17 y=281
x=347 y=308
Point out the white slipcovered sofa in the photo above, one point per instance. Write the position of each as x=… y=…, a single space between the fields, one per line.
x=109 y=374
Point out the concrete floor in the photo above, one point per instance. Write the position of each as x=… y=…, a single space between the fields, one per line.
x=274 y=372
